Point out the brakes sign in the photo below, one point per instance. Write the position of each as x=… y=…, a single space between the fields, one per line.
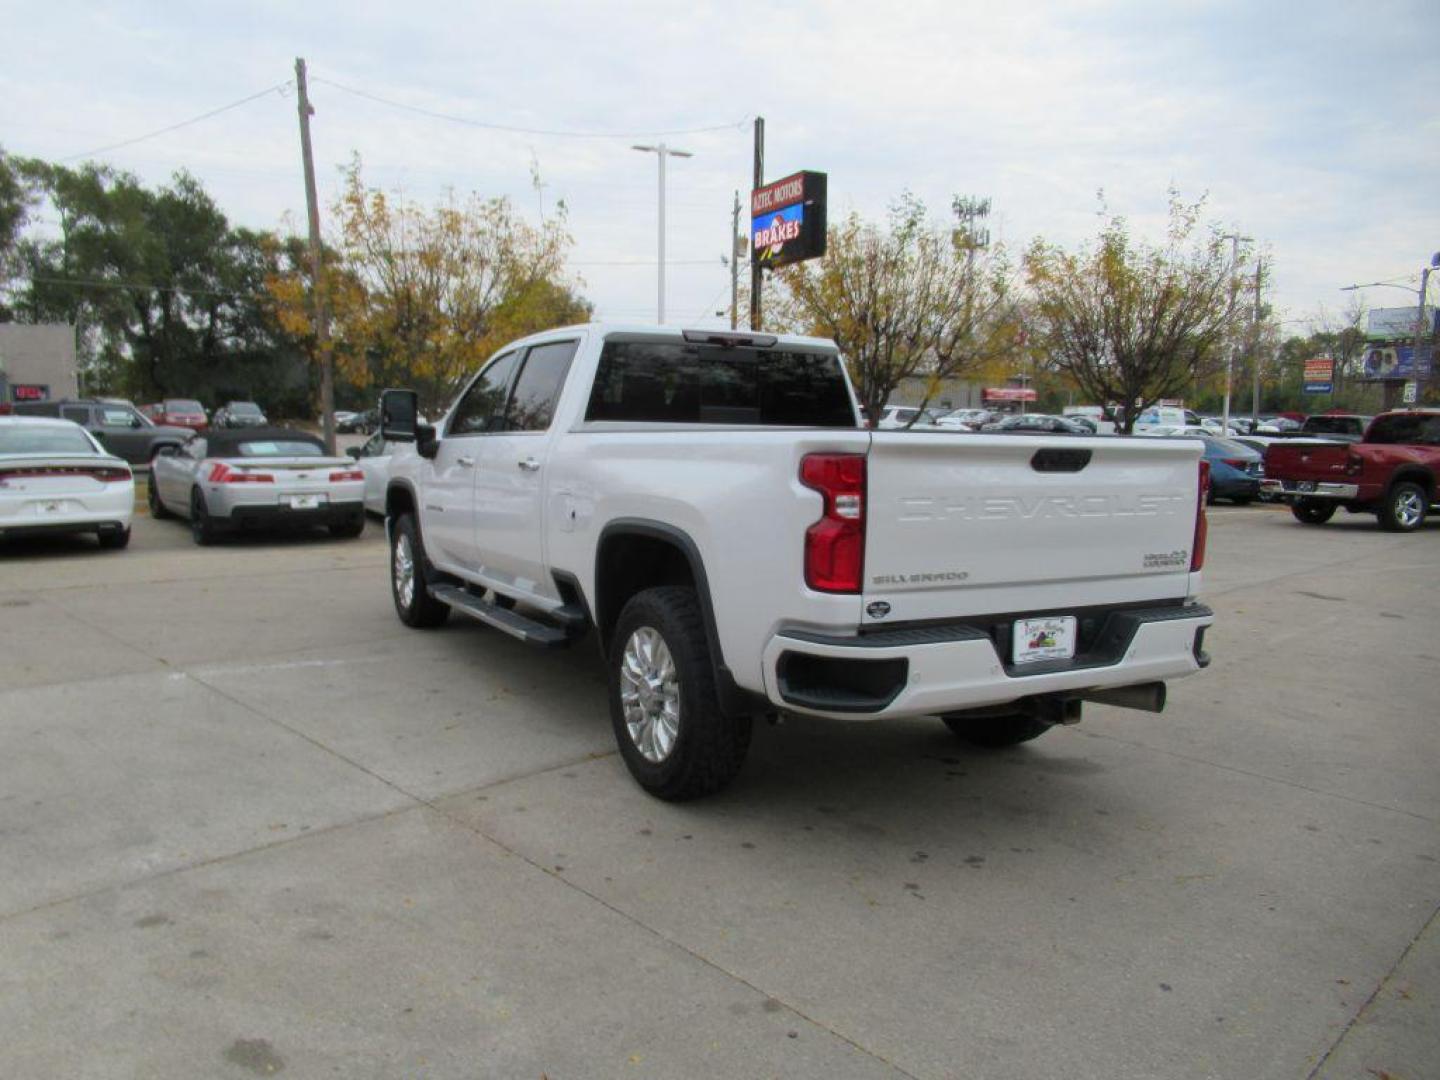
x=787 y=220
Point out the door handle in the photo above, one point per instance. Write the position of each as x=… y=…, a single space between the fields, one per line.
x=465 y=462
x=529 y=464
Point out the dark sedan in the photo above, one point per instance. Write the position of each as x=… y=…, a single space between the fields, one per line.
x=1235 y=470
x=239 y=414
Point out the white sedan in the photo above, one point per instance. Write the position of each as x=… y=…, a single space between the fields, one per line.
x=373 y=459
x=247 y=478
x=55 y=478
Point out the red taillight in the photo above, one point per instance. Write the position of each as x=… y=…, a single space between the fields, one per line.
x=1202 y=526
x=220 y=473
x=106 y=474
x=347 y=474
x=835 y=545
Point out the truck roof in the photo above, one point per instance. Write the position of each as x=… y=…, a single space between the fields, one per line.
x=604 y=327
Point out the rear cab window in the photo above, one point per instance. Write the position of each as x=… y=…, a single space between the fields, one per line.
x=1410 y=429
x=682 y=382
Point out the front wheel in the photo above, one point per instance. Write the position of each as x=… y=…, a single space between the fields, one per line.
x=995 y=732
x=1404 y=508
x=675 y=739
x=152 y=498
x=413 y=602
x=1312 y=511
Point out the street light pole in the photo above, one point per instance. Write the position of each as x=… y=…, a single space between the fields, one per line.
x=661 y=151
x=1234 y=239
x=1425 y=383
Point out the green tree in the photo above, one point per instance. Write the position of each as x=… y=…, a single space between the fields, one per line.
x=910 y=300
x=165 y=295
x=1129 y=322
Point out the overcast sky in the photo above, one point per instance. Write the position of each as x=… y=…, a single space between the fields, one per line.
x=1314 y=128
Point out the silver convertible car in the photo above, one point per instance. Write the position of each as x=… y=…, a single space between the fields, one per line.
x=257 y=478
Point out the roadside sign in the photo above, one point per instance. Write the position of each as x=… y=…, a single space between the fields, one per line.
x=787 y=220
x=29 y=392
x=1319 y=375
x=1408 y=397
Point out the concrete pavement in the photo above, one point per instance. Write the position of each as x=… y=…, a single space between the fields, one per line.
x=251 y=825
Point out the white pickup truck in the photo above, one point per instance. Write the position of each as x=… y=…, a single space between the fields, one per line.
x=710 y=506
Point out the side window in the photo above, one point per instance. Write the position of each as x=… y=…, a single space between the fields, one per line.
x=374 y=446
x=480 y=409
x=115 y=417
x=532 y=405
x=79 y=413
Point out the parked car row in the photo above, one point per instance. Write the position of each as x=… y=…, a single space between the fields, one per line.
x=58 y=478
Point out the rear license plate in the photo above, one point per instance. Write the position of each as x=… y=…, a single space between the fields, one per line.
x=52 y=507
x=306 y=502
x=1049 y=638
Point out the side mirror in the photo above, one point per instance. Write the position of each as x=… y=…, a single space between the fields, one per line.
x=426 y=444
x=135 y=422
x=399 y=415
x=354 y=452
x=168 y=450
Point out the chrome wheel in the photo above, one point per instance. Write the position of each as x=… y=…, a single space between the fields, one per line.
x=1409 y=508
x=403 y=570
x=650 y=694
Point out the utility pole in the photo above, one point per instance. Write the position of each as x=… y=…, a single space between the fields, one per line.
x=1255 y=349
x=1423 y=383
x=317 y=265
x=661 y=151
x=755 y=307
x=735 y=264
x=1234 y=239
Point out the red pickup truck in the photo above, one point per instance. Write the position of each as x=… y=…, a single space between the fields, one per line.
x=1390 y=472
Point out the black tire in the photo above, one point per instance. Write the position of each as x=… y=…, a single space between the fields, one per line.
x=708 y=747
x=114 y=539
x=1312 y=511
x=152 y=498
x=348 y=530
x=202 y=526
x=1403 y=508
x=995 y=732
x=415 y=606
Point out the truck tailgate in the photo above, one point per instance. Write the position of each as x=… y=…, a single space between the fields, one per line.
x=1303 y=459
x=961 y=525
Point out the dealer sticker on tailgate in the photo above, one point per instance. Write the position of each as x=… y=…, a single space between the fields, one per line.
x=1048 y=638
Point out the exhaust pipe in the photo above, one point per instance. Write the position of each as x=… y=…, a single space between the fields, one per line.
x=1149 y=697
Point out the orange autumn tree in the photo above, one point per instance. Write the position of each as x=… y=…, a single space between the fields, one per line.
x=419 y=296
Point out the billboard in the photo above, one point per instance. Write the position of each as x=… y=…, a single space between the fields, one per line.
x=787 y=220
x=1008 y=393
x=1380 y=363
x=1319 y=375
x=1389 y=323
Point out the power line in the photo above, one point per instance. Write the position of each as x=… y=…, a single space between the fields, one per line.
x=183 y=123
x=524 y=130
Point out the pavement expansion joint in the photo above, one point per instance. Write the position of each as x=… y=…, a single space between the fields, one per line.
x=1370 y=1001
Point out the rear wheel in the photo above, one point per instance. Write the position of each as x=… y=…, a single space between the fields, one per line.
x=1313 y=511
x=1404 y=508
x=672 y=733
x=202 y=525
x=994 y=732
x=413 y=603
x=114 y=539
x=152 y=498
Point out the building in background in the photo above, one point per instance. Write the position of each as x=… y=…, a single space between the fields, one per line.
x=37 y=362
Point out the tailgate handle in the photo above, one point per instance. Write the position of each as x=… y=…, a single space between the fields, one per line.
x=1058 y=459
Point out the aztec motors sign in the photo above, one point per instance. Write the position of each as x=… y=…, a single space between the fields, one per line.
x=787 y=220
